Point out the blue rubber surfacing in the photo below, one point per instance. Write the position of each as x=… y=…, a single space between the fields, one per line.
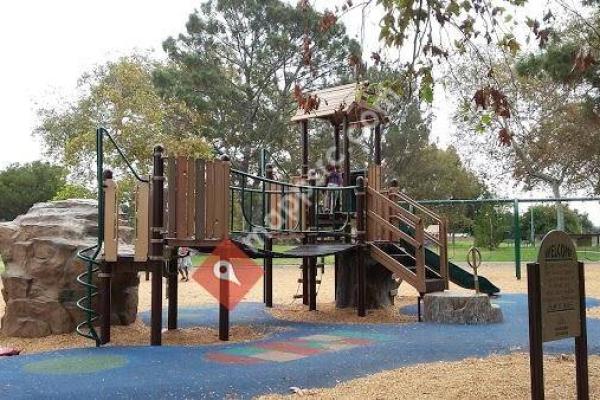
x=187 y=372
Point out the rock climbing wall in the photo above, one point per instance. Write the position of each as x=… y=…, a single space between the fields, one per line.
x=39 y=285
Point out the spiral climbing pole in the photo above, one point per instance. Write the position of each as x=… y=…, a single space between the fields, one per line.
x=89 y=255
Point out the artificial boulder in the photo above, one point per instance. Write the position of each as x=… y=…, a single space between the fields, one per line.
x=40 y=254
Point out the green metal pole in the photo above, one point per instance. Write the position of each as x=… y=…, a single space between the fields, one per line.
x=517 y=234
x=100 y=178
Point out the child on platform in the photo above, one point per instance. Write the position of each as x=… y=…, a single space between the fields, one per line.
x=333 y=179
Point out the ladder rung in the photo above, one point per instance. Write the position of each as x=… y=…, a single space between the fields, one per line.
x=302 y=281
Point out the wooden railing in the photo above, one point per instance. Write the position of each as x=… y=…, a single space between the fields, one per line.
x=441 y=241
x=384 y=218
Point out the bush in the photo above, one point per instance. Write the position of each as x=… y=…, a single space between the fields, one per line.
x=23 y=185
x=70 y=191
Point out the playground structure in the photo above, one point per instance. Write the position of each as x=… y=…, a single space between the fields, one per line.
x=199 y=204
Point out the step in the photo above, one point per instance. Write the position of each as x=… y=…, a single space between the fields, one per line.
x=406 y=260
x=434 y=285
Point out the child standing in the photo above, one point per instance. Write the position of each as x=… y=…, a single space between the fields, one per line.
x=184 y=262
x=334 y=180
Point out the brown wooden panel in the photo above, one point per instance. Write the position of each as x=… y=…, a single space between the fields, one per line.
x=292 y=208
x=210 y=200
x=200 y=200
x=111 y=221
x=182 y=197
x=219 y=199
x=272 y=188
x=172 y=197
x=374 y=177
x=386 y=215
x=191 y=197
x=142 y=222
x=150 y=210
x=227 y=202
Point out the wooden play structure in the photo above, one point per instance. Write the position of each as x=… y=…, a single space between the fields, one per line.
x=198 y=204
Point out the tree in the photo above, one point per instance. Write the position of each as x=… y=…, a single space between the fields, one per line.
x=426 y=172
x=238 y=64
x=121 y=96
x=73 y=191
x=570 y=61
x=492 y=225
x=544 y=221
x=542 y=132
x=23 y=185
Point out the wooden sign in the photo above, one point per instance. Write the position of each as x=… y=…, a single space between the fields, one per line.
x=556 y=297
x=559 y=287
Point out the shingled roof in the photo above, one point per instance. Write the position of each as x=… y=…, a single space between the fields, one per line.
x=335 y=102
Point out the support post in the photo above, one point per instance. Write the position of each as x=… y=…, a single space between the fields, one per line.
x=172 y=289
x=268 y=246
x=360 y=238
x=305 y=267
x=312 y=261
x=536 y=353
x=157 y=246
x=346 y=153
x=105 y=276
x=224 y=310
x=336 y=142
x=312 y=278
x=517 y=239
x=304 y=126
x=305 y=261
x=581 y=347
x=377 y=140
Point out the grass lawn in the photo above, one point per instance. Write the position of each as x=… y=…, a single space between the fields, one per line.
x=506 y=252
x=457 y=252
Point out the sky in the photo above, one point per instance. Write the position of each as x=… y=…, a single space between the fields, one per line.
x=47 y=45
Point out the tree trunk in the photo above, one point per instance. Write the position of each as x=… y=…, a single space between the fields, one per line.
x=379 y=283
x=560 y=211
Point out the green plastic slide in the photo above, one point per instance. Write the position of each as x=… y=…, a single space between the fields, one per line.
x=459 y=276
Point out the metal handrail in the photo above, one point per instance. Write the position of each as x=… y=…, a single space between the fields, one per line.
x=300 y=190
x=275 y=161
x=287 y=184
x=105 y=132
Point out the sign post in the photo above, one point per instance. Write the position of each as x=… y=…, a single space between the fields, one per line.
x=556 y=292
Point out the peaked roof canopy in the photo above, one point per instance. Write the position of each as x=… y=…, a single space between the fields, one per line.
x=347 y=100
